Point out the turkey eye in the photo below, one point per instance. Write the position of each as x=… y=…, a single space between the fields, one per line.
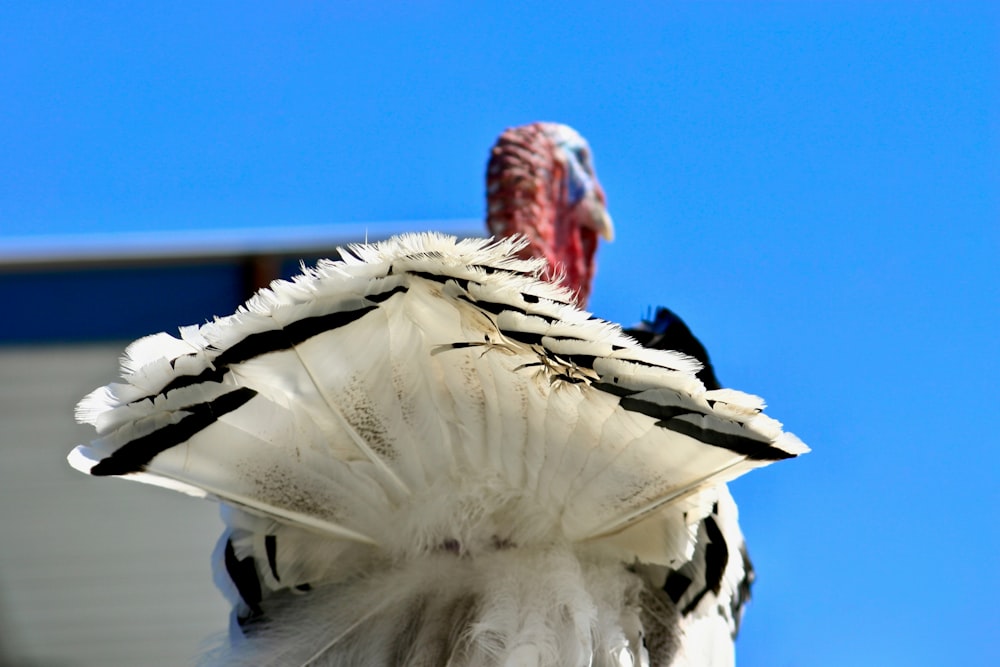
x=583 y=156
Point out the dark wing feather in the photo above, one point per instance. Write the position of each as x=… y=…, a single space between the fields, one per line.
x=667 y=331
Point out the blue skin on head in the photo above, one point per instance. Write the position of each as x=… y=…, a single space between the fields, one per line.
x=579 y=172
x=580 y=178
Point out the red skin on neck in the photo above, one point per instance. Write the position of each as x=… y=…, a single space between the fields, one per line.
x=525 y=184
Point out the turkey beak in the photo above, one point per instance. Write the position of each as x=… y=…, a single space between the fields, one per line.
x=599 y=219
x=601 y=222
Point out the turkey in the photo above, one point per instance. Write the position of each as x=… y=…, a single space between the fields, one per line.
x=428 y=454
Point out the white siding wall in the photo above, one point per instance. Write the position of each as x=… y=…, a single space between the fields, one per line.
x=93 y=572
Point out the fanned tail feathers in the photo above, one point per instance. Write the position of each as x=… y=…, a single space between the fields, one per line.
x=427 y=398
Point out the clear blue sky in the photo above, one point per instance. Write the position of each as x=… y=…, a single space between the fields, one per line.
x=814 y=186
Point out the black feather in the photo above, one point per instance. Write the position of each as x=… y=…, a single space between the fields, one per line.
x=667 y=331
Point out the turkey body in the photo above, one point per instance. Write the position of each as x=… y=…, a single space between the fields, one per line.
x=427 y=454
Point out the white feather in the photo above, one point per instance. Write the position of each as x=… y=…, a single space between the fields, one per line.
x=425 y=422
